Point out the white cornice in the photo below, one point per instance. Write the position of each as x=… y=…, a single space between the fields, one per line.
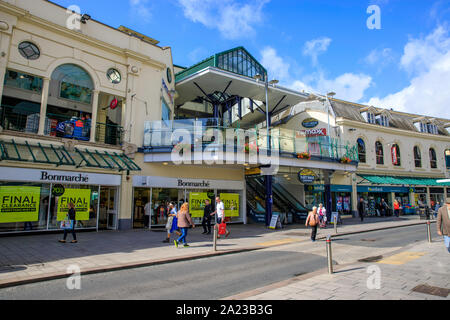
x=26 y=16
x=395 y=131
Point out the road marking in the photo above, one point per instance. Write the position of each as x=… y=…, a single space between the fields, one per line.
x=402 y=258
x=277 y=242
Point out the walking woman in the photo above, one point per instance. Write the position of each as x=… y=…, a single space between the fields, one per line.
x=313 y=222
x=71 y=215
x=184 y=223
x=397 y=208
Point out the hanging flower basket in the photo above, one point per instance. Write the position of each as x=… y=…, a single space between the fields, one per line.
x=304 y=155
x=251 y=147
x=346 y=160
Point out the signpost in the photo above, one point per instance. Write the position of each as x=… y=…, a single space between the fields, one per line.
x=275 y=222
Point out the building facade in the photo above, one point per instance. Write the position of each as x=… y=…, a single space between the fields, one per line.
x=401 y=156
x=75 y=96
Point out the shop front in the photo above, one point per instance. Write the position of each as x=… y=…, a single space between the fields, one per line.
x=421 y=196
x=373 y=196
x=437 y=196
x=341 y=199
x=37 y=200
x=314 y=195
x=158 y=192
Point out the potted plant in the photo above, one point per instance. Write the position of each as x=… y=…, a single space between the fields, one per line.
x=346 y=159
x=304 y=155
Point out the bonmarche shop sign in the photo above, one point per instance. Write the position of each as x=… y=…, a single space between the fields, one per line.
x=45 y=176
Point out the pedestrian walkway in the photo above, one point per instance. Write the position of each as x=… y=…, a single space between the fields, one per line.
x=419 y=272
x=25 y=259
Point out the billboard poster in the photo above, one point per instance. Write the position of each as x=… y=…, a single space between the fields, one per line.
x=231 y=202
x=19 y=204
x=197 y=203
x=81 y=198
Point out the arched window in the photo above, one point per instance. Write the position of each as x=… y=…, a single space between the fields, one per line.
x=417 y=157
x=379 y=152
x=74 y=83
x=447 y=158
x=362 y=150
x=433 y=159
x=395 y=152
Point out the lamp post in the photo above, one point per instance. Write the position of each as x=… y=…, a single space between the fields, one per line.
x=268 y=179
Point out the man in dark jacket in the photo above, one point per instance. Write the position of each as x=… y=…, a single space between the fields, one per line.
x=71 y=215
x=206 y=223
x=361 y=209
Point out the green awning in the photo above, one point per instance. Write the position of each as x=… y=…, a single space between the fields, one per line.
x=60 y=156
x=429 y=182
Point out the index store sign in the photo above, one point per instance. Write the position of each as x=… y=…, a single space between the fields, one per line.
x=19 y=204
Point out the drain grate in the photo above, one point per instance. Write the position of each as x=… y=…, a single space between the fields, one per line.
x=435 y=291
x=371 y=259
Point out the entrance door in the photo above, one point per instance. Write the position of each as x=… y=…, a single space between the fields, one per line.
x=108 y=208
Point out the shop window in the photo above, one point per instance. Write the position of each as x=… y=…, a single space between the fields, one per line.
x=379 y=152
x=74 y=83
x=417 y=157
x=29 y=50
x=23 y=81
x=361 y=150
x=165 y=113
x=433 y=159
x=447 y=158
x=395 y=152
x=19 y=115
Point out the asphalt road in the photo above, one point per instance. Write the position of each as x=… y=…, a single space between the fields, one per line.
x=209 y=278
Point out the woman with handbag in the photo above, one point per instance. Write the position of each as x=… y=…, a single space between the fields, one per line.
x=313 y=222
x=71 y=215
x=184 y=223
x=172 y=224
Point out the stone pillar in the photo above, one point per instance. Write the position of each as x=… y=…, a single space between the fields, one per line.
x=355 y=199
x=101 y=118
x=94 y=115
x=44 y=101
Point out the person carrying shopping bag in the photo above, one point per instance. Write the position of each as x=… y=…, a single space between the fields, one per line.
x=71 y=217
x=184 y=223
x=172 y=224
x=313 y=221
x=322 y=216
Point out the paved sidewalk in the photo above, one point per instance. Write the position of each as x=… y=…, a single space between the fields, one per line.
x=419 y=264
x=33 y=258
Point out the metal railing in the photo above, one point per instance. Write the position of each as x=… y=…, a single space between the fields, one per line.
x=163 y=135
x=19 y=119
x=109 y=134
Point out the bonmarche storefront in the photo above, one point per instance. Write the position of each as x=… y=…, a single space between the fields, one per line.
x=37 y=199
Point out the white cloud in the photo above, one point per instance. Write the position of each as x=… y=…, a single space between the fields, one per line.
x=233 y=19
x=276 y=66
x=348 y=86
x=427 y=60
x=379 y=57
x=314 y=48
x=140 y=8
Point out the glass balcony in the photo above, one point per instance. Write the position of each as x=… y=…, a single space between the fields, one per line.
x=162 y=136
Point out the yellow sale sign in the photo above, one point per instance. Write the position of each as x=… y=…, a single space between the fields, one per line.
x=19 y=204
x=231 y=202
x=197 y=204
x=80 y=198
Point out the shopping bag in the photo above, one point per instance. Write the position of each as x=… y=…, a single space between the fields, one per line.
x=67 y=224
x=222 y=229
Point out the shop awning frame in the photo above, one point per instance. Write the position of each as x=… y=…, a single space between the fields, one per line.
x=403 y=181
x=60 y=156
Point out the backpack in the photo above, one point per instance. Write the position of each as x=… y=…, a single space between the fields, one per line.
x=313 y=222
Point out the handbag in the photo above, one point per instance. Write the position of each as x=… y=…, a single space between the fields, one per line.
x=67 y=224
x=222 y=229
x=169 y=223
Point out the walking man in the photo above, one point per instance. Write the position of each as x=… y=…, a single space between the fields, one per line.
x=206 y=223
x=220 y=215
x=147 y=213
x=443 y=223
x=361 y=208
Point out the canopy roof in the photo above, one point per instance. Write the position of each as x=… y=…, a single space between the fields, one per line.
x=60 y=156
x=404 y=181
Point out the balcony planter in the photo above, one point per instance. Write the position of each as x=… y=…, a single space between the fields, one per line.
x=346 y=160
x=304 y=155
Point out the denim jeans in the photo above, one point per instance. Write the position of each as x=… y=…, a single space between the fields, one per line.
x=183 y=236
x=72 y=231
x=447 y=242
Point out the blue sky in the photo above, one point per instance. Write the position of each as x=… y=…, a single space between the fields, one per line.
x=313 y=45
